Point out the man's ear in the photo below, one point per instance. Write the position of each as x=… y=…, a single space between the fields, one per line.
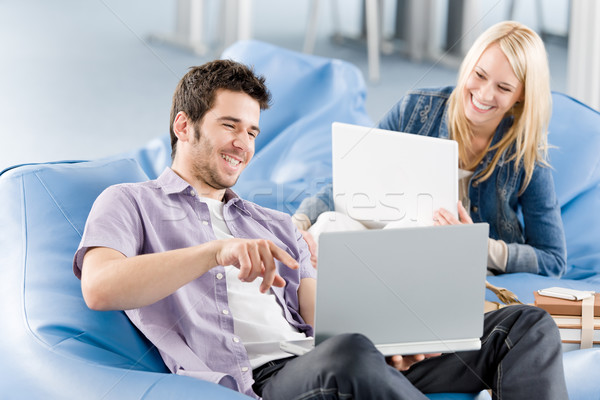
x=182 y=127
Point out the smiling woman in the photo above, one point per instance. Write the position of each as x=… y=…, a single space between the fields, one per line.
x=507 y=70
x=491 y=91
x=498 y=113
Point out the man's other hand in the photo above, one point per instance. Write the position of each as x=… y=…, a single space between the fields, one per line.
x=403 y=363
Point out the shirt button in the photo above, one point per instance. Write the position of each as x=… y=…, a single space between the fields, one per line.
x=204 y=222
x=475 y=184
x=219 y=276
x=236 y=339
x=245 y=369
x=475 y=208
x=226 y=312
x=192 y=193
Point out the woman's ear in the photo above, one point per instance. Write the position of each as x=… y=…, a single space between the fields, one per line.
x=182 y=127
x=519 y=102
x=521 y=98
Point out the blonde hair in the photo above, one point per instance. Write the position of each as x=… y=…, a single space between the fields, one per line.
x=526 y=54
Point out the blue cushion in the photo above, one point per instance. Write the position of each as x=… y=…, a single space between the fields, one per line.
x=58 y=199
x=152 y=157
x=582 y=372
x=581 y=219
x=574 y=133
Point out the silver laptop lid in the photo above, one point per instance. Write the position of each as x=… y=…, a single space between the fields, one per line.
x=402 y=287
x=383 y=176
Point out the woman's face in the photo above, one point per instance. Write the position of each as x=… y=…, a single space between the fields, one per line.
x=491 y=90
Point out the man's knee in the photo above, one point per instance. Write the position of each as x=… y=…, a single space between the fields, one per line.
x=348 y=343
x=543 y=322
x=531 y=321
x=349 y=354
x=521 y=313
x=532 y=315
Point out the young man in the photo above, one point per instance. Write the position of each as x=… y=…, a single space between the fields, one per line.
x=216 y=282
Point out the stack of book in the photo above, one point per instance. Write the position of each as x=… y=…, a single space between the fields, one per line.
x=568 y=317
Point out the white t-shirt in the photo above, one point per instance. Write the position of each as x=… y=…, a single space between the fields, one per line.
x=258 y=318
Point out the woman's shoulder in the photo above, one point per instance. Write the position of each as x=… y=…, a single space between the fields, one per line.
x=429 y=99
x=416 y=108
x=443 y=92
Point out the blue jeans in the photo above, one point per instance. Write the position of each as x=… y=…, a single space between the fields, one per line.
x=520 y=358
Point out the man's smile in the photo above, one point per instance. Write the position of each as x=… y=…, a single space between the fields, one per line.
x=234 y=162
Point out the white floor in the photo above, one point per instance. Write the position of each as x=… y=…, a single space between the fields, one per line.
x=79 y=80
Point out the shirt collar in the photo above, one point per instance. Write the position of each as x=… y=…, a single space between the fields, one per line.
x=172 y=183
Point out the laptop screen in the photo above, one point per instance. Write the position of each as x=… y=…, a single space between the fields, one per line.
x=382 y=177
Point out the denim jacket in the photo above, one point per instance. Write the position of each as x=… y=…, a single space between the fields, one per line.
x=530 y=224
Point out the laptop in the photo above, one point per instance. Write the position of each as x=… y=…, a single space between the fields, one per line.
x=410 y=290
x=382 y=177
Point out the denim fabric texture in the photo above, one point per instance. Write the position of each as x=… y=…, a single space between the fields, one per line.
x=529 y=223
x=520 y=358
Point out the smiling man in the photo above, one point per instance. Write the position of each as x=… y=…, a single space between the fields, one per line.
x=191 y=263
x=216 y=282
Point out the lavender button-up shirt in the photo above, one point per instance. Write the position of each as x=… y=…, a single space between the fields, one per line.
x=193 y=328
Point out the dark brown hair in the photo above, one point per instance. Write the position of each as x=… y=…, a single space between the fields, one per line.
x=195 y=92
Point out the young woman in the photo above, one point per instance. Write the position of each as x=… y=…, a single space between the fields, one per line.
x=498 y=113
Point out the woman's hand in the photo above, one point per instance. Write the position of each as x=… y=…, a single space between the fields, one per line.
x=302 y=222
x=312 y=246
x=445 y=217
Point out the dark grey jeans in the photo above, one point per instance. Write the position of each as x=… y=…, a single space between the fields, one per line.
x=520 y=358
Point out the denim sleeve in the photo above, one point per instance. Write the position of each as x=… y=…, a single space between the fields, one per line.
x=314 y=206
x=544 y=234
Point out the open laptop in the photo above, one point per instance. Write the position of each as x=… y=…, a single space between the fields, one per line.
x=382 y=177
x=410 y=290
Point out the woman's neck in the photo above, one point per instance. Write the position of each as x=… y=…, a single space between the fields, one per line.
x=480 y=142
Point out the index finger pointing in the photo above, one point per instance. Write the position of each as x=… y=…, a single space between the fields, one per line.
x=283 y=256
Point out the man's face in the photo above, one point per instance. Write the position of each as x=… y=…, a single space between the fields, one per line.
x=226 y=143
